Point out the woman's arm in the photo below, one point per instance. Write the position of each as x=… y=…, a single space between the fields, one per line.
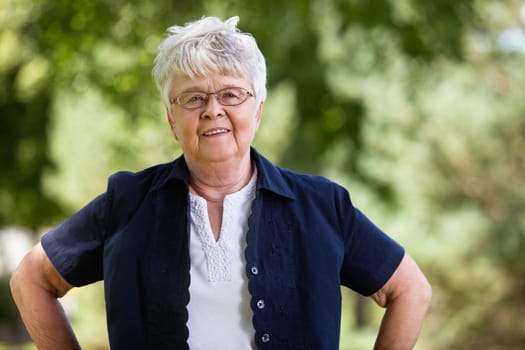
x=406 y=297
x=35 y=286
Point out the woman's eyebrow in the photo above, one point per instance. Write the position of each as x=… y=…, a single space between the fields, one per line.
x=196 y=88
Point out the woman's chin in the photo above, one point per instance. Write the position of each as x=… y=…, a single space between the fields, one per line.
x=217 y=155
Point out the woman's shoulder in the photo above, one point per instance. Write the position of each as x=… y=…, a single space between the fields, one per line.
x=137 y=175
x=290 y=181
x=309 y=182
x=148 y=179
x=143 y=176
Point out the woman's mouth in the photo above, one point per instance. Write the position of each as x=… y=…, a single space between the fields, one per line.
x=215 y=132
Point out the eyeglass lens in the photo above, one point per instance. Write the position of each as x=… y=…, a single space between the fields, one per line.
x=228 y=97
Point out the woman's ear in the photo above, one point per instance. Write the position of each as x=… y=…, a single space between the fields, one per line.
x=258 y=115
x=171 y=122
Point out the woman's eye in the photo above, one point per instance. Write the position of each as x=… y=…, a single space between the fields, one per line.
x=229 y=95
x=196 y=98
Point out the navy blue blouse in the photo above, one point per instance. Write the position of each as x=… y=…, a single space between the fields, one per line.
x=305 y=240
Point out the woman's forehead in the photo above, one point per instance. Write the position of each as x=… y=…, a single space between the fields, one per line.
x=211 y=82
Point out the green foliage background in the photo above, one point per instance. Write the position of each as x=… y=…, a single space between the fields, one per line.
x=412 y=105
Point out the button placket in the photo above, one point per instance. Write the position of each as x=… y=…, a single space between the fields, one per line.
x=265 y=338
x=260 y=304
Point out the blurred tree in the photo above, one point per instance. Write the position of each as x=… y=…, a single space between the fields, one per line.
x=48 y=46
x=479 y=167
x=447 y=137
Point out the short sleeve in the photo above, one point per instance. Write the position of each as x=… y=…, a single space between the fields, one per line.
x=371 y=256
x=75 y=247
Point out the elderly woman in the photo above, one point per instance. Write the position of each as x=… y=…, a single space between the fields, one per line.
x=219 y=249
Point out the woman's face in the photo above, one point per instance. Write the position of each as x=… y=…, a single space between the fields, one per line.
x=214 y=133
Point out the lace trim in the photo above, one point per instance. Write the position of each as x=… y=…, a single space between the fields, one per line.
x=218 y=253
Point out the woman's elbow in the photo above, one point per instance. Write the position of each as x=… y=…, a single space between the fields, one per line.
x=14 y=283
x=424 y=292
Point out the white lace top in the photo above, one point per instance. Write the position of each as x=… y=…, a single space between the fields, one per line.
x=219 y=309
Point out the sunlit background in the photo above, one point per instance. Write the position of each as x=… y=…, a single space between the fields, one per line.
x=417 y=107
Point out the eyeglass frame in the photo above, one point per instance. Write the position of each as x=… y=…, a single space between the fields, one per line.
x=176 y=99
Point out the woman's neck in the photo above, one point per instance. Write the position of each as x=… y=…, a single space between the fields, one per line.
x=216 y=180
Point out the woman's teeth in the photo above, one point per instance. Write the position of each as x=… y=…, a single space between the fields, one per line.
x=215 y=132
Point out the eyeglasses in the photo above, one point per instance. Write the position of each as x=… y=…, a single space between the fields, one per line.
x=231 y=96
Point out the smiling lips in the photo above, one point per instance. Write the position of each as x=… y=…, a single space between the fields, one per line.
x=215 y=132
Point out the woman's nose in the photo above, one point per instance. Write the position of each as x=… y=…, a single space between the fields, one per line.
x=213 y=108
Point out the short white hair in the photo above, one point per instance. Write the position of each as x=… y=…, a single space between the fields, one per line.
x=208 y=46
